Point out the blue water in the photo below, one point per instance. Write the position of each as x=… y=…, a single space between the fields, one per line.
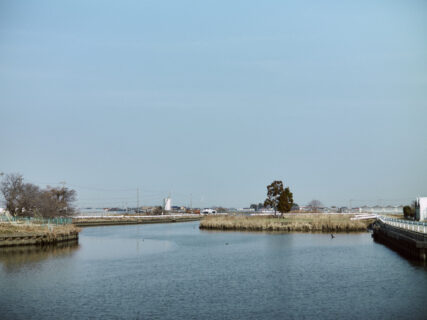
x=176 y=271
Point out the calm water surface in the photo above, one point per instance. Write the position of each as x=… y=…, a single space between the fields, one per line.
x=176 y=271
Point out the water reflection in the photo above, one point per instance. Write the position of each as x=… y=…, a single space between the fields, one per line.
x=176 y=271
x=411 y=260
x=12 y=258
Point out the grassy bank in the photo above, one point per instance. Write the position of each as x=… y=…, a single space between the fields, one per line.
x=288 y=223
x=15 y=234
x=9 y=229
x=119 y=220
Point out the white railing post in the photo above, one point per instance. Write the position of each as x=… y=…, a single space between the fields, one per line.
x=403 y=224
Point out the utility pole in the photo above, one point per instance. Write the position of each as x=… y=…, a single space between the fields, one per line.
x=1 y=175
x=191 y=203
x=137 y=199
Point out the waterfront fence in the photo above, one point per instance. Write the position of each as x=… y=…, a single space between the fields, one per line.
x=416 y=226
x=38 y=220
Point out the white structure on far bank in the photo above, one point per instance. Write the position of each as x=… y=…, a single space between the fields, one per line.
x=421 y=209
x=208 y=211
x=167 y=204
x=4 y=212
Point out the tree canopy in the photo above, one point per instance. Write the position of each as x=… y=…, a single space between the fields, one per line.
x=279 y=198
x=409 y=211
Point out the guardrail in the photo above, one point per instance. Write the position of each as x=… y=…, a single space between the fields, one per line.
x=41 y=221
x=166 y=216
x=364 y=216
x=405 y=224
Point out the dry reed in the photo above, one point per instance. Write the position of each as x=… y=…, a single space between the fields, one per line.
x=7 y=228
x=288 y=223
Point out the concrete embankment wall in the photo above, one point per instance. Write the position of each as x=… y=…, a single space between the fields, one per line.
x=92 y=222
x=36 y=239
x=409 y=243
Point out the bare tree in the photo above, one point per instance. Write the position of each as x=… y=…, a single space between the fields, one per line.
x=11 y=188
x=315 y=205
x=27 y=199
x=158 y=210
x=57 y=202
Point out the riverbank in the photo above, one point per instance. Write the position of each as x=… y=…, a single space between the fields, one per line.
x=34 y=234
x=289 y=223
x=410 y=243
x=92 y=221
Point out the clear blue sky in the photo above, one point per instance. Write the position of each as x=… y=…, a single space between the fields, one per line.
x=216 y=99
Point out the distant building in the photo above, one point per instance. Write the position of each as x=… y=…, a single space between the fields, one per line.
x=344 y=210
x=381 y=209
x=167 y=204
x=208 y=211
x=266 y=210
x=421 y=209
x=295 y=207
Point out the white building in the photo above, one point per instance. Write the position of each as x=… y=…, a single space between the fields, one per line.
x=246 y=210
x=421 y=209
x=208 y=211
x=380 y=209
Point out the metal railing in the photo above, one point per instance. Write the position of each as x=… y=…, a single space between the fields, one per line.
x=405 y=224
x=40 y=221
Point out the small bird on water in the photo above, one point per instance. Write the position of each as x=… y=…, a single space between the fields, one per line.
x=332 y=236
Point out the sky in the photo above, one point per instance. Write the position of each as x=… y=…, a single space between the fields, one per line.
x=211 y=101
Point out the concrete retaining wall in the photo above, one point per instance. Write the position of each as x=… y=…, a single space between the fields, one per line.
x=409 y=243
x=36 y=239
x=92 y=222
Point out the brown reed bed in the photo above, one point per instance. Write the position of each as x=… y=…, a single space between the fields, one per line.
x=130 y=219
x=288 y=223
x=7 y=229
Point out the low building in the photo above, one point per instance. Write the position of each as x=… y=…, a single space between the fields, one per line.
x=421 y=209
x=266 y=211
x=208 y=211
x=381 y=209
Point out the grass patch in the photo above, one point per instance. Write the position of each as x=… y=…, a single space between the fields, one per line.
x=7 y=229
x=288 y=223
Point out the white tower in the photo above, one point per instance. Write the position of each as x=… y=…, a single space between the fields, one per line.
x=167 y=204
x=421 y=209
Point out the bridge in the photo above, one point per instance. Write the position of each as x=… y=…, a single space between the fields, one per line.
x=406 y=237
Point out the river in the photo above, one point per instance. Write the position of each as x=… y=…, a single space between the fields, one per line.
x=176 y=271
